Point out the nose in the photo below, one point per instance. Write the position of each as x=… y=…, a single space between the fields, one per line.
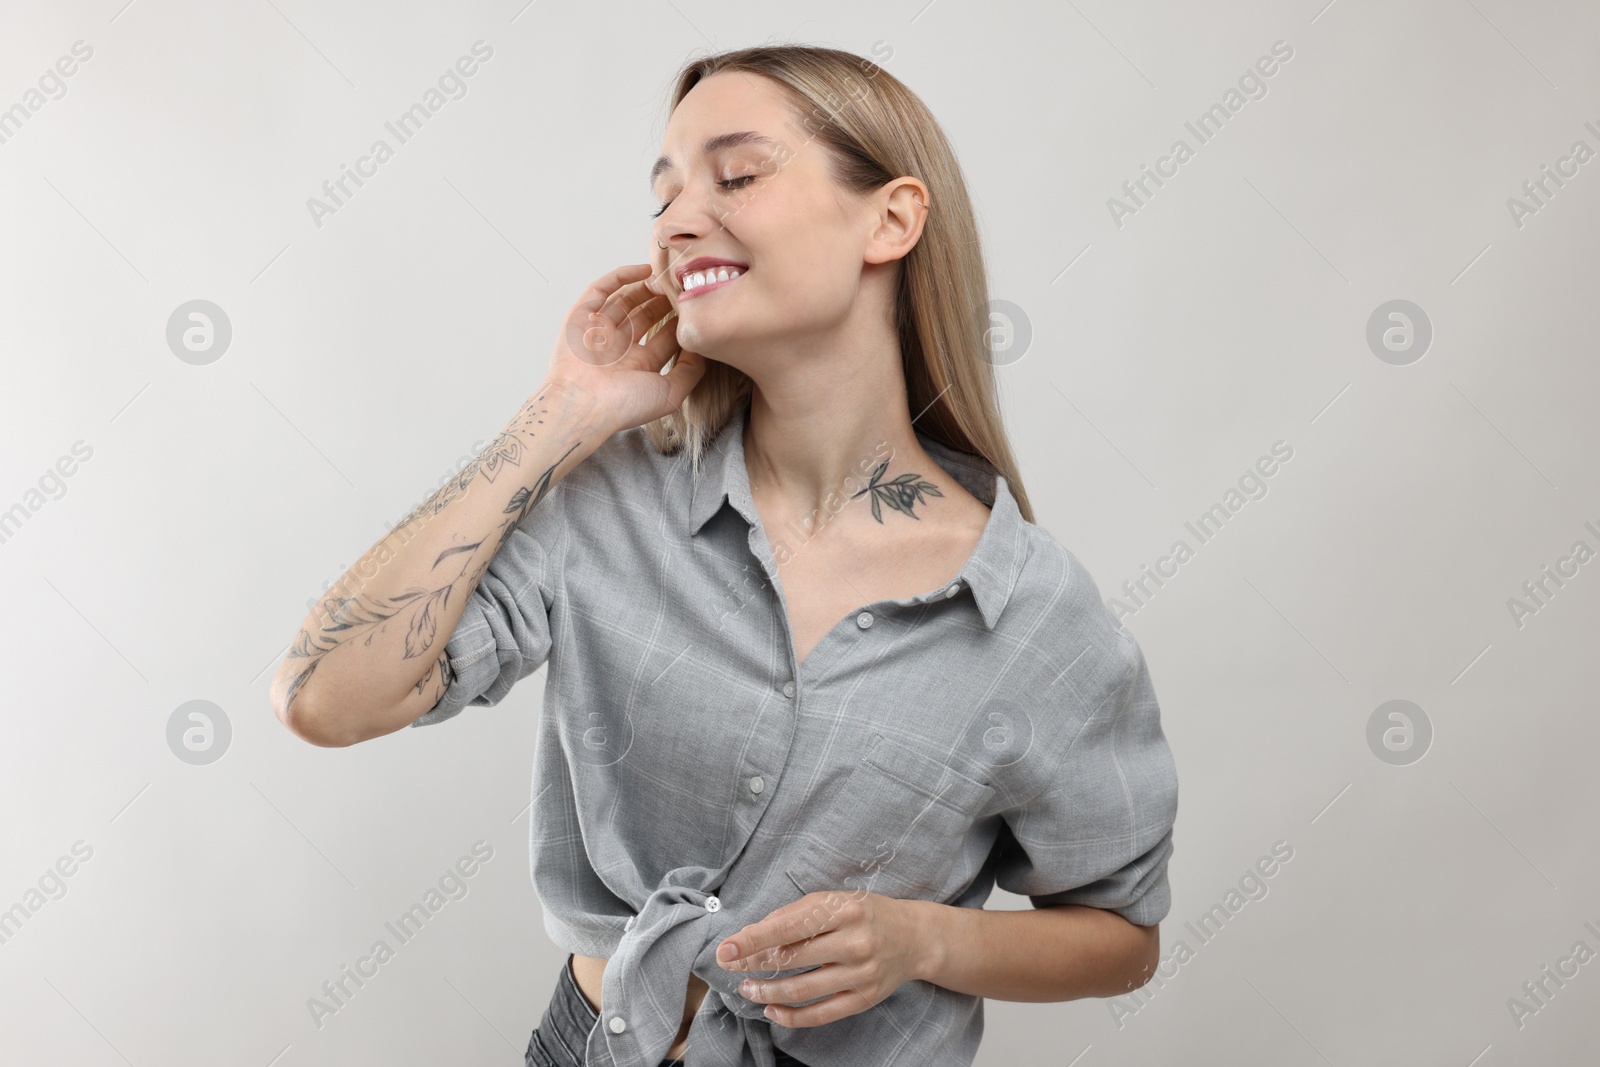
x=686 y=221
x=676 y=245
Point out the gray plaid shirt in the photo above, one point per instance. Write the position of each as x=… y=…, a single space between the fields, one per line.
x=1001 y=729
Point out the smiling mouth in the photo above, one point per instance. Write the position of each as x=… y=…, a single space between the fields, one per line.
x=697 y=282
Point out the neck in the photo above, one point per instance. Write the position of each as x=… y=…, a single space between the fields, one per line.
x=827 y=408
x=808 y=452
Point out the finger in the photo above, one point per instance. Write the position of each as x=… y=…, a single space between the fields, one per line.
x=829 y=974
x=631 y=331
x=597 y=336
x=660 y=280
x=828 y=1010
x=834 y=990
x=657 y=284
x=686 y=372
x=830 y=991
x=622 y=303
x=660 y=346
x=646 y=315
x=660 y=326
x=770 y=943
x=594 y=297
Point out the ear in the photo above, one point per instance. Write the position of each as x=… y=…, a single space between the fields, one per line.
x=902 y=208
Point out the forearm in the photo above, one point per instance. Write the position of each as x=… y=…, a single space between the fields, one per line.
x=370 y=657
x=1045 y=954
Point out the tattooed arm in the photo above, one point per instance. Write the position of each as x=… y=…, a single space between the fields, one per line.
x=370 y=658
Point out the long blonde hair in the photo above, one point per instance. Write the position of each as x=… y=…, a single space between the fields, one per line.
x=875 y=130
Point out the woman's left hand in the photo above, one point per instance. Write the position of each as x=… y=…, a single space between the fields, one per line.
x=864 y=946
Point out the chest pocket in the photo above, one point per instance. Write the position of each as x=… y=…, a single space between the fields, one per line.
x=895 y=827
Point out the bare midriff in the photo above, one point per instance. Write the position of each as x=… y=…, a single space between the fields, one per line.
x=589 y=970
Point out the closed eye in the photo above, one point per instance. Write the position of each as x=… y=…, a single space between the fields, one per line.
x=731 y=183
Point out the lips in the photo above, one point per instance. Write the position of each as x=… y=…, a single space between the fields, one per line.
x=710 y=285
x=705 y=263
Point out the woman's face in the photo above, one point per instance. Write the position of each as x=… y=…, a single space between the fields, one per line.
x=767 y=204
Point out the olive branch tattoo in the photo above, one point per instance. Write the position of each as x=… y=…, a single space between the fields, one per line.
x=346 y=617
x=900 y=492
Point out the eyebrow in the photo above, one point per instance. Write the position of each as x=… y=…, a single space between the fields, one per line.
x=716 y=144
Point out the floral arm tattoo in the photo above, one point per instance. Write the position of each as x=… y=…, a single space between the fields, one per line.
x=344 y=618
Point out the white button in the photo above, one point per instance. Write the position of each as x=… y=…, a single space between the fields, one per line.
x=629 y=924
x=713 y=904
x=788 y=689
x=864 y=620
x=757 y=785
x=953 y=590
x=618 y=1024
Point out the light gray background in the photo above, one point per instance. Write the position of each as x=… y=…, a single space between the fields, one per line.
x=370 y=356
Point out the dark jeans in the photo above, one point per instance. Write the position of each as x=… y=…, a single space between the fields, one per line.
x=562 y=1035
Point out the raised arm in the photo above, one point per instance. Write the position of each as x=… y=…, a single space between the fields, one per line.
x=370 y=657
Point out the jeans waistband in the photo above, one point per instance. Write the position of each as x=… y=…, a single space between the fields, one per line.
x=563 y=1033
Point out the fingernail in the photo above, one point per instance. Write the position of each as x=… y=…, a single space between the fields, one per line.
x=728 y=952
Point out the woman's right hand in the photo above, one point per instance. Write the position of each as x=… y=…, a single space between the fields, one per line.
x=598 y=353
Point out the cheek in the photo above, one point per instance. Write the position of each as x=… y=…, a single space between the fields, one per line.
x=799 y=290
x=800 y=275
x=799 y=264
x=816 y=258
x=818 y=285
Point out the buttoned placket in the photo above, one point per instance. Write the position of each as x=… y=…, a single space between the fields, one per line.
x=755 y=781
x=767 y=757
x=824 y=656
x=863 y=618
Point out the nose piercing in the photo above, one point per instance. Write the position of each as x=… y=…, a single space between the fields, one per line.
x=661 y=246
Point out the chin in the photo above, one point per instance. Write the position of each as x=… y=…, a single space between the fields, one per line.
x=709 y=343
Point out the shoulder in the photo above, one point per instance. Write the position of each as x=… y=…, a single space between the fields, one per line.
x=625 y=466
x=624 y=491
x=1061 y=591
x=1058 y=599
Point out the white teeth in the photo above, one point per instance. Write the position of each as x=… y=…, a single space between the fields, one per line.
x=716 y=274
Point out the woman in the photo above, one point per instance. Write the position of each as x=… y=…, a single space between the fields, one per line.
x=817 y=682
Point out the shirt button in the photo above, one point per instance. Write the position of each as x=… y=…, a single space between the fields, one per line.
x=713 y=904
x=788 y=689
x=953 y=590
x=864 y=620
x=618 y=1024
x=757 y=785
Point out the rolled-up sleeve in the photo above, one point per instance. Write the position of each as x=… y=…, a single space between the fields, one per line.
x=504 y=634
x=1100 y=833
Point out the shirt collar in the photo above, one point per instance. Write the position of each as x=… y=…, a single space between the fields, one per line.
x=991 y=571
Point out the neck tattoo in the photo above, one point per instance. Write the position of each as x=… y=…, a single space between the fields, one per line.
x=901 y=492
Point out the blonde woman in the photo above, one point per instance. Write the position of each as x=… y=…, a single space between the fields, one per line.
x=816 y=681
